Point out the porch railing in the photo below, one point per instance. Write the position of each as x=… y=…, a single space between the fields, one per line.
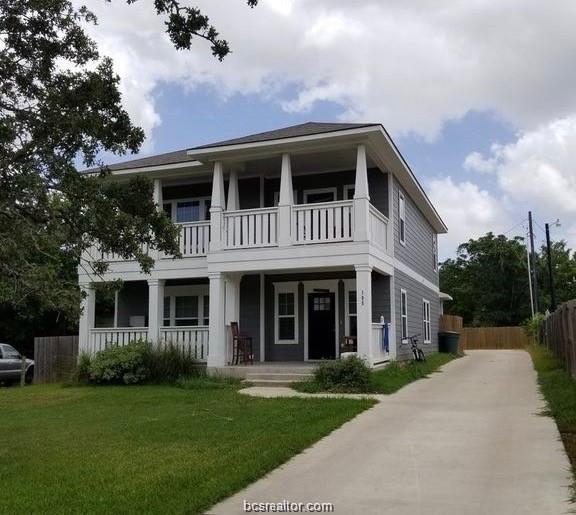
x=247 y=228
x=194 y=238
x=378 y=228
x=193 y=340
x=102 y=338
x=323 y=222
x=376 y=341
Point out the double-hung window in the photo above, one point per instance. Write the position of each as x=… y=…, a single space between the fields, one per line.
x=402 y=217
x=426 y=320
x=188 y=210
x=186 y=310
x=286 y=307
x=404 y=313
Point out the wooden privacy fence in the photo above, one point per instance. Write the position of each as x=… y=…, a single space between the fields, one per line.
x=54 y=358
x=484 y=337
x=559 y=334
x=493 y=338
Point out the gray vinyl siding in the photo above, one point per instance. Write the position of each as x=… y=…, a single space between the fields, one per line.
x=295 y=352
x=380 y=297
x=415 y=292
x=418 y=252
x=203 y=189
x=250 y=311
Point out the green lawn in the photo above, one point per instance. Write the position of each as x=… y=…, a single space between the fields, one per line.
x=392 y=377
x=559 y=390
x=159 y=449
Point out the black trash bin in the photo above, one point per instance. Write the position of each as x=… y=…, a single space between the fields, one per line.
x=448 y=342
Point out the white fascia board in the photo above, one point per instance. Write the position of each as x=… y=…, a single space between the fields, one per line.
x=392 y=160
x=277 y=145
x=162 y=171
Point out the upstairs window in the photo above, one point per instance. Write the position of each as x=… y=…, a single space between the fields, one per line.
x=404 y=313
x=402 y=216
x=426 y=320
x=435 y=252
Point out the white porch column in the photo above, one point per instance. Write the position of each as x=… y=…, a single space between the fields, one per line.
x=364 y=311
x=285 y=202
x=217 y=329
x=216 y=207
x=233 y=198
x=87 y=317
x=361 y=197
x=155 y=309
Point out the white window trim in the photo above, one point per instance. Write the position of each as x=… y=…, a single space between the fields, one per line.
x=403 y=302
x=347 y=188
x=185 y=291
x=291 y=287
x=174 y=203
x=435 y=251
x=426 y=324
x=401 y=216
x=319 y=190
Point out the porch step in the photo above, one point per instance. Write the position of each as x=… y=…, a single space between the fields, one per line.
x=275 y=379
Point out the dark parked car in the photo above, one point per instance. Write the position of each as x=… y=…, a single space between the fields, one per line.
x=11 y=365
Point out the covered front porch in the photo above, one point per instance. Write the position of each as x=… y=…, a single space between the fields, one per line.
x=289 y=316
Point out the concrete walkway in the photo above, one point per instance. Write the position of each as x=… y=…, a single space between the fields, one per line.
x=467 y=441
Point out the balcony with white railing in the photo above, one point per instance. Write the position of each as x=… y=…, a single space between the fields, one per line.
x=325 y=222
x=249 y=228
x=194 y=238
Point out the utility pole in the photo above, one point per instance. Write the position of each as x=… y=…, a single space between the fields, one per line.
x=550 y=275
x=533 y=261
x=530 y=279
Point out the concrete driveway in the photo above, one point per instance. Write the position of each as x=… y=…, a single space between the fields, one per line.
x=466 y=441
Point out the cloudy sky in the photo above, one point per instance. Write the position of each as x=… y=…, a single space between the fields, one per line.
x=479 y=95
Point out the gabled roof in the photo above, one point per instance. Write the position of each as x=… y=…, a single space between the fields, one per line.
x=294 y=131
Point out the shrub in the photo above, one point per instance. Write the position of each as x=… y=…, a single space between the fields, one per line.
x=81 y=372
x=168 y=363
x=121 y=364
x=533 y=327
x=343 y=375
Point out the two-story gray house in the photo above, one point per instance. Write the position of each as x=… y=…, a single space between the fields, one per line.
x=309 y=237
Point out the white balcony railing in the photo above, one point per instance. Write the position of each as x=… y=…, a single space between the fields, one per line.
x=192 y=340
x=248 y=228
x=378 y=228
x=102 y=338
x=324 y=222
x=194 y=238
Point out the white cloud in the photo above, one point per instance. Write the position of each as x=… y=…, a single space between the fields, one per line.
x=478 y=163
x=411 y=65
x=537 y=172
x=467 y=210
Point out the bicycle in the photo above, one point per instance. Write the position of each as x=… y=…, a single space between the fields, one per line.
x=417 y=352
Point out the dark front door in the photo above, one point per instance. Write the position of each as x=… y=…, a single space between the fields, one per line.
x=321 y=326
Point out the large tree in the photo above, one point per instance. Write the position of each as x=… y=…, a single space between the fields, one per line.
x=60 y=106
x=489 y=280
